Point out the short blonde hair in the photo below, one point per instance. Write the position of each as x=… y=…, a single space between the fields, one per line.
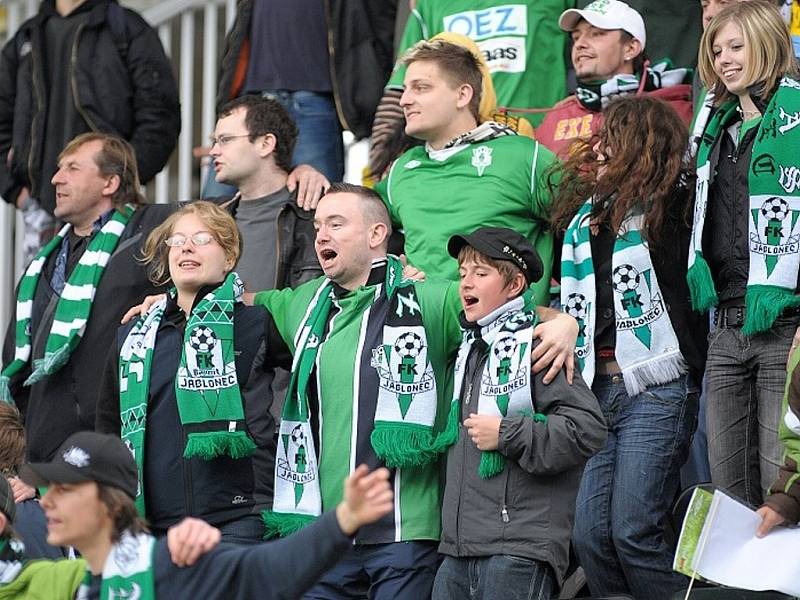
x=219 y=222
x=767 y=45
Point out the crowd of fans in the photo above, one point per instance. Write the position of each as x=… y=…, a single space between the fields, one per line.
x=489 y=372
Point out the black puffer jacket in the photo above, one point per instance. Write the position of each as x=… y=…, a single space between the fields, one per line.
x=360 y=36
x=218 y=490
x=64 y=402
x=121 y=82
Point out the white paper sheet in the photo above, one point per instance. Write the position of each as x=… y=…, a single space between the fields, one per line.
x=729 y=553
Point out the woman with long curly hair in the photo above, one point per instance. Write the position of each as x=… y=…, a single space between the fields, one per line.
x=623 y=205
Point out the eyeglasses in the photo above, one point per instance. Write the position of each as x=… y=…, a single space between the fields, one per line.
x=224 y=140
x=201 y=238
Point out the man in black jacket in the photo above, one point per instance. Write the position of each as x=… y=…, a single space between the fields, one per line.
x=96 y=182
x=79 y=66
x=252 y=150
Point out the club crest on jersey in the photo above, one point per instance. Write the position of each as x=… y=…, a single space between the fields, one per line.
x=774 y=235
x=637 y=307
x=481 y=158
x=403 y=368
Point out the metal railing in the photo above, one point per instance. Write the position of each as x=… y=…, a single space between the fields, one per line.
x=191 y=32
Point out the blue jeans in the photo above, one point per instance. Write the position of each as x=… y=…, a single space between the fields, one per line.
x=499 y=577
x=319 y=139
x=627 y=489
x=746 y=376
x=380 y=571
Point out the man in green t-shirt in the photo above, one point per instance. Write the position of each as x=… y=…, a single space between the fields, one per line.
x=468 y=174
x=370 y=384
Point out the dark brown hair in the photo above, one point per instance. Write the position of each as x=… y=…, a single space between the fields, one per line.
x=644 y=143
x=122 y=511
x=263 y=116
x=12 y=440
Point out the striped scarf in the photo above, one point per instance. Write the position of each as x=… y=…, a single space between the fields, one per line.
x=128 y=571
x=73 y=308
x=206 y=387
x=773 y=215
x=505 y=381
x=405 y=399
x=646 y=348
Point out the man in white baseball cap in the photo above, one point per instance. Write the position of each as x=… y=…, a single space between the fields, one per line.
x=609 y=15
x=608 y=42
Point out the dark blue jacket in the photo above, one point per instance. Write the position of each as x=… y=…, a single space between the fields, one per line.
x=218 y=490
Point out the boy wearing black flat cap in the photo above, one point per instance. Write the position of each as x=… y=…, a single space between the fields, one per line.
x=518 y=445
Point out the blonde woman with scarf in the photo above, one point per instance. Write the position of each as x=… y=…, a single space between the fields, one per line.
x=187 y=386
x=745 y=247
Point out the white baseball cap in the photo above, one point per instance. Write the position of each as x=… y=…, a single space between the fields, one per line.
x=606 y=14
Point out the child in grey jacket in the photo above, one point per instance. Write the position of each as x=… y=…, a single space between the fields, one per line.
x=518 y=445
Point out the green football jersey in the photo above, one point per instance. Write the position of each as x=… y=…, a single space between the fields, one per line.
x=521 y=42
x=433 y=195
x=417 y=490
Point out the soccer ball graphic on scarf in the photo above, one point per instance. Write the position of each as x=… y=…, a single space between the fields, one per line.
x=625 y=278
x=775 y=209
x=202 y=339
x=408 y=345
x=576 y=306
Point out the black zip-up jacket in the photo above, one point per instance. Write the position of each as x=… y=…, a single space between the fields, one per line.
x=279 y=570
x=296 y=257
x=218 y=490
x=360 y=35
x=527 y=510
x=133 y=96
x=64 y=402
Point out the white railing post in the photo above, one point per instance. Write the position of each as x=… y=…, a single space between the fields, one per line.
x=163 y=177
x=187 y=108
x=210 y=60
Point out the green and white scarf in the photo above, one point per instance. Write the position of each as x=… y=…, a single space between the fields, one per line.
x=646 y=348
x=128 y=571
x=402 y=430
x=774 y=208
x=206 y=386
x=12 y=558
x=74 y=305
x=505 y=384
x=595 y=96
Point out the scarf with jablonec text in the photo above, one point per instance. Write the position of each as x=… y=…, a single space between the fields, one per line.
x=505 y=381
x=773 y=211
x=402 y=429
x=646 y=345
x=73 y=308
x=128 y=571
x=206 y=386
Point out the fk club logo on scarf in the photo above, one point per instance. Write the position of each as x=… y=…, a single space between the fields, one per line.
x=773 y=210
x=646 y=348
